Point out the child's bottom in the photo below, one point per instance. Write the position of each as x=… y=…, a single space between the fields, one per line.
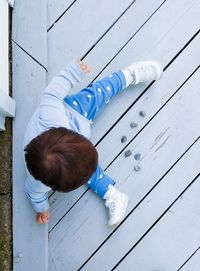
x=90 y=102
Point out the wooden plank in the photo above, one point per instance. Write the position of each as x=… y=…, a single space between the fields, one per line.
x=164 y=88
x=100 y=126
x=136 y=15
x=29 y=28
x=29 y=239
x=145 y=215
x=193 y=263
x=152 y=100
x=172 y=240
x=83 y=24
x=89 y=216
x=55 y=10
x=162 y=34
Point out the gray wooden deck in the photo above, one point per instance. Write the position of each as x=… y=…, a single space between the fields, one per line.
x=161 y=229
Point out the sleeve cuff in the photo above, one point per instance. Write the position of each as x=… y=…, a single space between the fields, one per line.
x=77 y=69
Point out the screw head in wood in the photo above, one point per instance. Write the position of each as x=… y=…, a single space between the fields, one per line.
x=137 y=156
x=133 y=124
x=123 y=139
x=137 y=168
x=127 y=153
x=142 y=113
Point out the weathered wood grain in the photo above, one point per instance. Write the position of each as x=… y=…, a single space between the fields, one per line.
x=139 y=16
x=176 y=125
x=149 y=211
x=29 y=239
x=151 y=101
x=173 y=238
x=55 y=9
x=193 y=264
x=161 y=38
x=79 y=29
x=29 y=28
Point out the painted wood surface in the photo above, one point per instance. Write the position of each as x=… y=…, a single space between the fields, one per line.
x=151 y=209
x=30 y=241
x=160 y=34
x=128 y=31
x=136 y=16
x=79 y=26
x=151 y=101
x=175 y=233
x=176 y=125
x=163 y=44
x=56 y=10
x=193 y=263
x=29 y=28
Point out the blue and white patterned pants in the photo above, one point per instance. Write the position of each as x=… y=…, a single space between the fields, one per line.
x=90 y=102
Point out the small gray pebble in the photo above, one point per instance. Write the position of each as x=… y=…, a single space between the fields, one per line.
x=128 y=153
x=142 y=114
x=123 y=139
x=137 y=168
x=137 y=156
x=133 y=124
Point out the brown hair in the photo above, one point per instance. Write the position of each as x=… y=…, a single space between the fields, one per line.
x=61 y=159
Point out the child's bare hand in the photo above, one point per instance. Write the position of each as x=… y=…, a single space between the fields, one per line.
x=43 y=218
x=84 y=67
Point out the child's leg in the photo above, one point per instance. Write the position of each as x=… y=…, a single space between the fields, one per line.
x=100 y=182
x=116 y=201
x=90 y=101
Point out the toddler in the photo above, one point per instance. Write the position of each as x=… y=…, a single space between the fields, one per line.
x=58 y=152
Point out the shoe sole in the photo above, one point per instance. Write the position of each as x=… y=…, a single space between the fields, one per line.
x=123 y=214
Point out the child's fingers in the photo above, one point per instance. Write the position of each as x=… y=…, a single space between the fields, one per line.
x=85 y=68
x=42 y=218
x=39 y=220
x=45 y=220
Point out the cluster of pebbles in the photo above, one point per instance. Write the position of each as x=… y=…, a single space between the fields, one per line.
x=128 y=153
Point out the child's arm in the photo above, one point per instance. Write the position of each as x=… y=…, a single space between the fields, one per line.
x=37 y=194
x=52 y=112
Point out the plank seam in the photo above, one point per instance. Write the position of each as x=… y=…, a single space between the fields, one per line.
x=126 y=42
x=189 y=258
x=114 y=57
x=122 y=14
x=143 y=126
x=30 y=55
x=138 y=206
x=145 y=88
x=153 y=117
x=61 y=15
x=68 y=210
x=157 y=221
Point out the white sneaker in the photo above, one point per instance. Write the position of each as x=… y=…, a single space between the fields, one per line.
x=117 y=203
x=145 y=71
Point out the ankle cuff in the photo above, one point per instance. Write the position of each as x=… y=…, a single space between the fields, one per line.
x=129 y=76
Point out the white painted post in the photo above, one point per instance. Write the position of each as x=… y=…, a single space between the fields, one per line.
x=7 y=104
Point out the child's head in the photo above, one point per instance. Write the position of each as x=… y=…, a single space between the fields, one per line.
x=61 y=159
